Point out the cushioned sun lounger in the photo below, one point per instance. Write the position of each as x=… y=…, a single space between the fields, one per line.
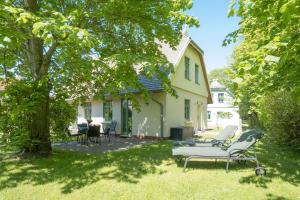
x=236 y=151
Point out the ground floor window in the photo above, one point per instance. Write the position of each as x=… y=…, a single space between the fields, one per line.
x=107 y=110
x=209 y=115
x=187 y=109
x=126 y=115
x=87 y=108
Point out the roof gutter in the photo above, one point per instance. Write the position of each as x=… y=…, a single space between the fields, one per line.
x=161 y=117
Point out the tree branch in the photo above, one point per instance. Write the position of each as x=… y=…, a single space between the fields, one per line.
x=49 y=53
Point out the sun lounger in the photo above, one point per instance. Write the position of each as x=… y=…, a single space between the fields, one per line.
x=236 y=151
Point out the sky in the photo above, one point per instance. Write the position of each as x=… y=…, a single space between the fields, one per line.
x=214 y=26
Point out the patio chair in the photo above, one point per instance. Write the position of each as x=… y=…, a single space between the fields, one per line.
x=220 y=139
x=112 y=128
x=106 y=133
x=236 y=151
x=83 y=129
x=93 y=132
x=73 y=132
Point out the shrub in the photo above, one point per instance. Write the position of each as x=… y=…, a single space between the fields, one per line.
x=16 y=107
x=279 y=114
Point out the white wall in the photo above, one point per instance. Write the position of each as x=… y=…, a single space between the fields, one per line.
x=187 y=89
x=175 y=111
x=147 y=122
x=227 y=106
x=97 y=113
x=178 y=79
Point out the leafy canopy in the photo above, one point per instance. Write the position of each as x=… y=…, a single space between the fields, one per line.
x=222 y=75
x=93 y=47
x=267 y=58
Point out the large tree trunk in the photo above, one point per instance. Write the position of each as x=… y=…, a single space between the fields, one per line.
x=39 y=128
x=38 y=64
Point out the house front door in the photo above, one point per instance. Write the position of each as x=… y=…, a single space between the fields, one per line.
x=126 y=115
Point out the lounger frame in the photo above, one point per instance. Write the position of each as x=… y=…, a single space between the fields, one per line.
x=234 y=154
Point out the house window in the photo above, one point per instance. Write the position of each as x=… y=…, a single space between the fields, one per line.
x=87 y=107
x=187 y=109
x=196 y=73
x=107 y=110
x=221 y=97
x=187 y=68
x=209 y=115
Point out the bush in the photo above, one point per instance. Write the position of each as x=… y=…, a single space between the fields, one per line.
x=279 y=114
x=16 y=108
x=62 y=113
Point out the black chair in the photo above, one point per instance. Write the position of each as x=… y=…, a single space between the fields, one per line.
x=106 y=133
x=83 y=129
x=94 y=132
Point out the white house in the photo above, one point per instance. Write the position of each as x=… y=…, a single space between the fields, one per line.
x=163 y=111
x=222 y=112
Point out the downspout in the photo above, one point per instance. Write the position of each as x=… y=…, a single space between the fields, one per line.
x=161 y=117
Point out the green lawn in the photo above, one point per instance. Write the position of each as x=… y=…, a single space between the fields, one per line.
x=148 y=172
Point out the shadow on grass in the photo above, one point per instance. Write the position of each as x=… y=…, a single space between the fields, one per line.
x=280 y=162
x=76 y=170
x=198 y=164
x=275 y=197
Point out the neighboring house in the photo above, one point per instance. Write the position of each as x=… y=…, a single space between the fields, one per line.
x=163 y=111
x=222 y=112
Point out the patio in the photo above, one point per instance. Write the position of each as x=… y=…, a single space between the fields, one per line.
x=116 y=144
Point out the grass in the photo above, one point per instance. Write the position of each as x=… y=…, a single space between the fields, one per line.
x=148 y=172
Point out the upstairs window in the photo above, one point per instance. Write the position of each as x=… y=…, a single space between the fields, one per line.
x=221 y=97
x=187 y=109
x=107 y=110
x=196 y=74
x=187 y=68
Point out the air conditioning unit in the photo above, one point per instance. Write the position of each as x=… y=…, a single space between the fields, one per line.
x=181 y=133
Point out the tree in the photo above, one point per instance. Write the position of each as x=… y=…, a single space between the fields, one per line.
x=76 y=49
x=267 y=61
x=268 y=55
x=221 y=74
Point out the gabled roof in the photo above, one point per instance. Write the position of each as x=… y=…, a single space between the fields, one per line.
x=174 y=56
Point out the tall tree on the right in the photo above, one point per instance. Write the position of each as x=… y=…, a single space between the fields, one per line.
x=267 y=62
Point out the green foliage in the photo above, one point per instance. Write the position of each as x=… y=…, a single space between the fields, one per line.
x=267 y=58
x=18 y=103
x=224 y=115
x=62 y=113
x=104 y=46
x=279 y=113
x=222 y=75
x=16 y=108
